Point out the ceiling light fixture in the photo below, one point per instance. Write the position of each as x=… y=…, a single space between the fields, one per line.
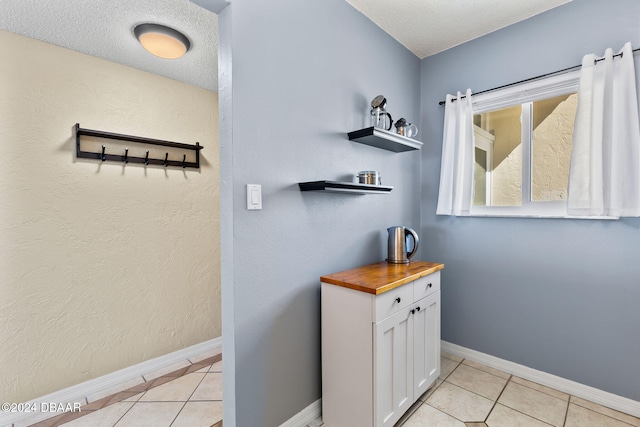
x=162 y=41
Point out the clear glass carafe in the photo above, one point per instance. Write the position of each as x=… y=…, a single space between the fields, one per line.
x=381 y=119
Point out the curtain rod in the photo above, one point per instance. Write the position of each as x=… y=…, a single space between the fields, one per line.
x=534 y=78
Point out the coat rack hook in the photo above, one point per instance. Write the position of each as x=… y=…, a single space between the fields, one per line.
x=166 y=159
x=146 y=158
x=184 y=158
x=126 y=155
x=102 y=157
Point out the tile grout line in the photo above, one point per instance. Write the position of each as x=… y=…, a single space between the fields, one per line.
x=184 y=403
x=430 y=391
x=172 y=401
x=547 y=394
x=520 y=412
x=566 y=413
x=545 y=390
x=125 y=412
x=495 y=402
x=215 y=358
x=544 y=386
x=502 y=391
x=457 y=366
x=605 y=415
x=486 y=372
x=498 y=398
x=470 y=391
x=178 y=414
x=191 y=395
x=601 y=413
x=536 y=390
x=437 y=386
x=570 y=402
x=528 y=416
x=443 y=381
x=446 y=413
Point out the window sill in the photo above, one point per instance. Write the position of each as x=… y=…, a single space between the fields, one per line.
x=551 y=210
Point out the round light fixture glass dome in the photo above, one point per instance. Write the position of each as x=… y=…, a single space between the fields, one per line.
x=162 y=41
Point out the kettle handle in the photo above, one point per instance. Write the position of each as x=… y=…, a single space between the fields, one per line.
x=390 y=121
x=413 y=234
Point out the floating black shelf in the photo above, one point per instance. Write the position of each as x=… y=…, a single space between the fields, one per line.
x=125 y=158
x=344 y=187
x=384 y=139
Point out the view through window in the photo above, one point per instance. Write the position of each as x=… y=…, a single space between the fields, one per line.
x=522 y=152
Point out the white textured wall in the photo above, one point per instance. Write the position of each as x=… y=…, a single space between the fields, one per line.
x=101 y=266
x=507 y=179
x=507 y=156
x=552 y=140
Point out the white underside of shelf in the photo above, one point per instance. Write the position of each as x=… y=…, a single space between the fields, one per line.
x=344 y=187
x=354 y=191
x=384 y=139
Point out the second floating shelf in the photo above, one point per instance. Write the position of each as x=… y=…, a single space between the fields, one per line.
x=384 y=139
x=344 y=187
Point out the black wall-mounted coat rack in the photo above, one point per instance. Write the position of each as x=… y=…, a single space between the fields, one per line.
x=125 y=158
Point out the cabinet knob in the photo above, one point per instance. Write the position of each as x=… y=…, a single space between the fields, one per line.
x=429 y=285
x=418 y=308
x=398 y=300
x=413 y=311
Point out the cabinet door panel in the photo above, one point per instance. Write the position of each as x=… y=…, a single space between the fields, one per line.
x=393 y=361
x=420 y=349
x=426 y=343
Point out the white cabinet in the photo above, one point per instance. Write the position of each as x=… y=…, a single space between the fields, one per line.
x=393 y=360
x=426 y=343
x=380 y=353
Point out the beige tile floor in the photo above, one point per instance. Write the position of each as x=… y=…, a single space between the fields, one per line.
x=468 y=394
x=188 y=397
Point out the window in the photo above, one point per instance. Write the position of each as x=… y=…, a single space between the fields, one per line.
x=523 y=138
x=483 y=166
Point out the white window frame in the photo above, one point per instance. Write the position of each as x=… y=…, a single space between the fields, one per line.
x=483 y=140
x=525 y=94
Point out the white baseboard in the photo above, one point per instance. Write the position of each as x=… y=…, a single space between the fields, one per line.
x=306 y=416
x=610 y=400
x=110 y=383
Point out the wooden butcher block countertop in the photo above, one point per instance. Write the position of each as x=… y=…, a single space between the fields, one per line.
x=382 y=276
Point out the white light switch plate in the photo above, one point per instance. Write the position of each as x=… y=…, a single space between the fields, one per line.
x=254 y=197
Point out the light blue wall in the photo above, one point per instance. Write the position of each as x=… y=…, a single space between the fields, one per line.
x=303 y=76
x=561 y=296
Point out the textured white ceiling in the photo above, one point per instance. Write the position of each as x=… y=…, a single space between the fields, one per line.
x=104 y=28
x=427 y=27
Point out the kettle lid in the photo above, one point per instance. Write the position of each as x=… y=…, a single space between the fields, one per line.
x=379 y=102
x=401 y=123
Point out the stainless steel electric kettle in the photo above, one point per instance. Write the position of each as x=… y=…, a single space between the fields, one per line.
x=398 y=252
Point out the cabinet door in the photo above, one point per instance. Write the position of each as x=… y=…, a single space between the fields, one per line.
x=393 y=367
x=426 y=343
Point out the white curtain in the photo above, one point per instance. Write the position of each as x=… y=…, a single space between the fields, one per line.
x=604 y=178
x=457 y=166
